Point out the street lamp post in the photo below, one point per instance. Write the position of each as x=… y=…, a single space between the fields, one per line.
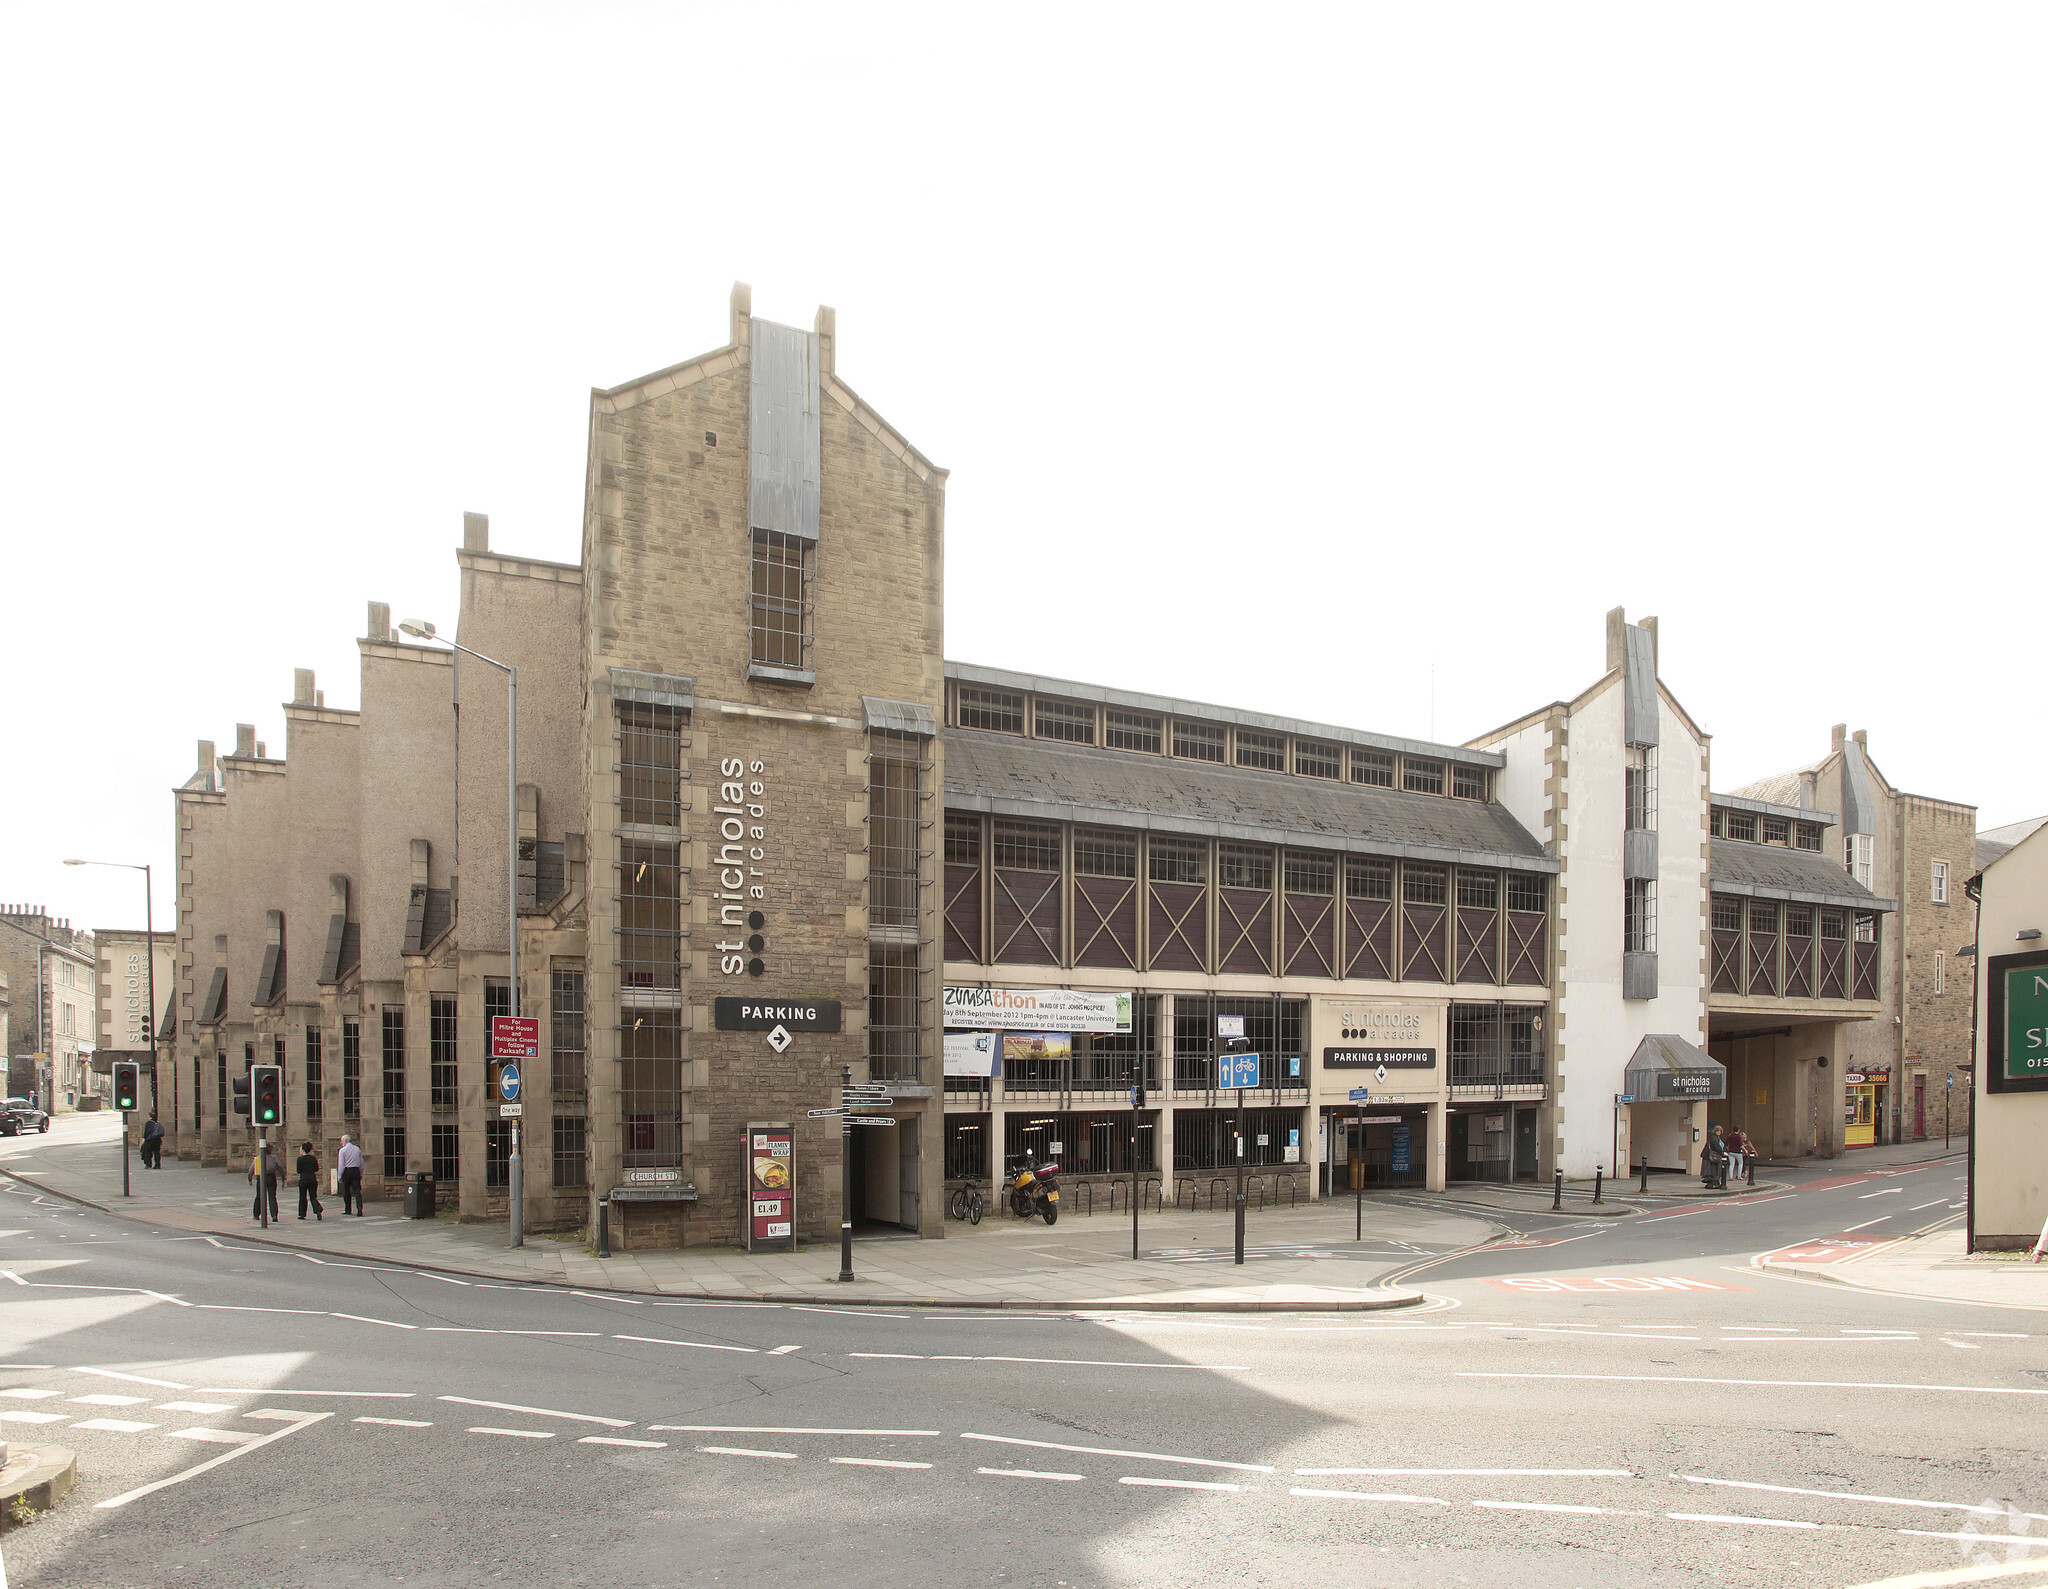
x=420 y=629
x=149 y=971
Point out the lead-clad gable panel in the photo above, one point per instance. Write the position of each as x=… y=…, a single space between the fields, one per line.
x=783 y=431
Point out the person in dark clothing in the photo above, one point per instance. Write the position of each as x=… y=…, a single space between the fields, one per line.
x=266 y=1169
x=153 y=1144
x=309 y=1181
x=1714 y=1160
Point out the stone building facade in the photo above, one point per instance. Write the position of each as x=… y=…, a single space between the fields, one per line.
x=759 y=837
x=52 y=979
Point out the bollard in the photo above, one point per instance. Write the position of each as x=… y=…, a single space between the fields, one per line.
x=1646 y=1173
x=604 y=1227
x=1598 y=1171
x=1557 y=1192
x=1752 y=1169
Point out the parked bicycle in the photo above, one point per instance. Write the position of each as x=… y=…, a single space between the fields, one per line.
x=966 y=1203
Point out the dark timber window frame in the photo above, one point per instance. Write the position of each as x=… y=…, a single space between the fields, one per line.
x=314 y=1072
x=784 y=568
x=391 y=1050
x=1139 y=731
x=992 y=711
x=1071 y=722
x=899 y=937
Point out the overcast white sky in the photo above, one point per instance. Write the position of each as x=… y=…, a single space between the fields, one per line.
x=1280 y=355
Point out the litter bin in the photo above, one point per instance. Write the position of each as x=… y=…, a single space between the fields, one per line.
x=419 y=1196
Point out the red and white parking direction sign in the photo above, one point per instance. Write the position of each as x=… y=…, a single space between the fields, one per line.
x=515 y=1037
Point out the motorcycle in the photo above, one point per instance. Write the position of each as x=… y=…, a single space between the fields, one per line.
x=1033 y=1189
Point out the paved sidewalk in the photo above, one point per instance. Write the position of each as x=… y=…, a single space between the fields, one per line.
x=1297 y=1259
x=1934 y=1266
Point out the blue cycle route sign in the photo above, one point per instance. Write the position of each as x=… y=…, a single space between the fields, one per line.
x=508 y=1083
x=1361 y=1094
x=1237 y=1070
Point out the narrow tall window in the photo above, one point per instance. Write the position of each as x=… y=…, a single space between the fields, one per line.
x=394 y=1063
x=1859 y=856
x=313 y=1073
x=567 y=1045
x=1639 y=787
x=1639 y=915
x=896 y=940
x=1940 y=981
x=441 y=1053
x=351 y=1070
x=572 y=1158
x=394 y=1153
x=221 y=1064
x=782 y=599
x=446 y=1159
x=1939 y=887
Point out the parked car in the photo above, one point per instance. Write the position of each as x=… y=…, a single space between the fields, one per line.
x=24 y=1115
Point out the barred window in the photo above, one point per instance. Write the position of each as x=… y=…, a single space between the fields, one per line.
x=1244 y=866
x=446 y=1161
x=895 y=810
x=1178 y=861
x=1366 y=877
x=1799 y=921
x=351 y=1069
x=782 y=598
x=1262 y=750
x=1099 y=854
x=568 y=1046
x=313 y=1073
x=1068 y=720
x=1375 y=767
x=1809 y=836
x=1424 y=885
x=1308 y=872
x=1314 y=759
x=1639 y=915
x=1422 y=777
x=1727 y=914
x=394 y=1060
x=963 y=838
x=1478 y=890
x=1198 y=741
x=441 y=1052
x=895 y=1013
x=1528 y=892
x=998 y=711
x=1131 y=730
x=1716 y=823
x=1742 y=826
x=650 y=765
x=1832 y=925
x=394 y=1153
x=1027 y=846
x=1777 y=830
x=650 y=905
x=497 y=1153
x=1763 y=916
x=572 y=1154
x=1639 y=788
x=1468 y=783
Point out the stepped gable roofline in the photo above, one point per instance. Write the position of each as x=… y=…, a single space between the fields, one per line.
x=1771 y=808
x=1800 y=877
x=1169 y=706
x=1046 y=781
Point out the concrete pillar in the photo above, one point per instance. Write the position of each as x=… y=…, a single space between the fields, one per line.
x=1439 y=1144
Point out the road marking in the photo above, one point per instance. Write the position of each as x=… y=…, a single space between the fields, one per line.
x=33 y=1417
x=194 y=1406
x=360 y=1319
x=1490 y=1473
x=539 y=1412
x=1992 y=1335
x=293 y=1390
x=1360 y=1495
x=399 y=1423
x=460 y=1329
x=1104 y=1451
x=776 y=1429
x=27 y=1365
x=517 y=1434
x=595 y=1296
x=28 y=1393
x=275 y=1415
x=1854 y=1495
x=1181 y=1484
x=1955 y=1575
x=875 y=1462
x=110 y=1401
x=744 y=1451
x=1554 y=1283
x=1986 y=1539
x=1963 y=1346
x=1793 y=1384
x=1935 y=1204
x=1851 y=1329
x=779 y=1351
x=1754 y=1522
x=706 y=1346
x=1361 y=1329
x=1059 y=1362
x=1889 y=1191
x=842 y=1313
x=211 y=1463
x=133 y=1379
x=614 y=1440
x=1588 y=1330
x=126 y=1426
x=1782 y=1329
x=230 y=1307
x=219 y=1437
x=1866 y=1224
x=1538 y=1506
x=1028 y=1473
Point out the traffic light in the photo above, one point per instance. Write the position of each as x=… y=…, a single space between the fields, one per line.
x=127 y=1085
x=145 y=1031
x=266 y=1087
x=240 y=1108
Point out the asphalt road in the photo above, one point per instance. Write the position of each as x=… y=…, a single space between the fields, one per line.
x=250 y=1416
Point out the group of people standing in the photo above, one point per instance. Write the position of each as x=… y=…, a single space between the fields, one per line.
x=1725 y=1156
x=266 y=1170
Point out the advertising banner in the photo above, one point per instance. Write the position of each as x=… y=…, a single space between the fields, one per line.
x=974 y=1054
x=1036 y=1009
x=771 y=1189
x=1036 y=1045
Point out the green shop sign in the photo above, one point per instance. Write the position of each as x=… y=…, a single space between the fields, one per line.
x=2026 y=1023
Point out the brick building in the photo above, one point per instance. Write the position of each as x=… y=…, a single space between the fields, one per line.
x=751 y=794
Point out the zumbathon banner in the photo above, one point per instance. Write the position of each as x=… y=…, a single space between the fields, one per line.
x=1036 y=1010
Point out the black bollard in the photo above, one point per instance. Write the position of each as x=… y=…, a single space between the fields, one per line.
x=1598 y=1171
x=604 y=1227
x=1557 y=1192
x=1646 y=1172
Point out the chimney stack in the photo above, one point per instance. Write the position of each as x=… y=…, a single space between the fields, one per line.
x=742 y=312
x=380 y=621
x=476 y=532
x=302 y=687
x=245 y=739
x=1837 y=737
x=1862 y=737
x=1617 y=638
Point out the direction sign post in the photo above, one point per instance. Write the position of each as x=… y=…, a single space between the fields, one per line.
x=514 y=1038
x=1237 y=1068
x=846 y=1177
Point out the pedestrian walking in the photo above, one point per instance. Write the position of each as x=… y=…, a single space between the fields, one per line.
x=1714 y=1159
x=350 y=1162
x=309 y=1181
x=264 y=1169
x=153 y=1144
x=1741 y=1152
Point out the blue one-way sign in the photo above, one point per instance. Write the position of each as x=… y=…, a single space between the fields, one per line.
x=508 y=1083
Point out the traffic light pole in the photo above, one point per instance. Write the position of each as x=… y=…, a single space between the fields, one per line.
x=845 y=1178
x=125 y=1192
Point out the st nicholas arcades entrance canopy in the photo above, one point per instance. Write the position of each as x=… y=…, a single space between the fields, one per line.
x=1668 y=1069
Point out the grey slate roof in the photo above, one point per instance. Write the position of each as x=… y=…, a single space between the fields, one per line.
x=1805 y=877
x=1989 y=850
x=1071 y=783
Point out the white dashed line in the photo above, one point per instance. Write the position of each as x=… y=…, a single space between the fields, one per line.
x=219 y=1437
x=109 y=1401
x=126 y=1426
x=539 y=1412
x=1538 y=1506
x=1105 y=1451
x=1029 y=1473
x=1360 y=1495
x=1181 y=1484
x=33 y=1417
x=614 y=1440
x=1753 y=1522
x=745 y=1451
x=875 y=1462
x=194 y=1406
x=1849 y=1495
x=24 y=1393
x=399 y=1423
x=1489 y=1473
x=775 y=1429
x=779 y=1351
x=517 y=1434
x=1058 y=1362
x=1792 y=1384
x=705 y=1346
